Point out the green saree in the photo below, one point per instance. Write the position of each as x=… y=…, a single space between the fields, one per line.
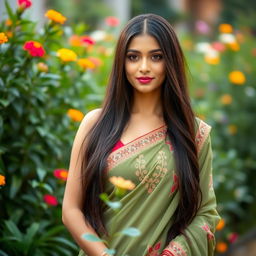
x=148 y=162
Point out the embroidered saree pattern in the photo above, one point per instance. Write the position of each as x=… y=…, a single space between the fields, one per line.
x=148 y=161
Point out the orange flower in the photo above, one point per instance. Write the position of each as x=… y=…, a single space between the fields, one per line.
x=96 y=61
x=55 y=16
x=3 y=38
x=234 y=46
x=42 y=67
x=237 y=77
x=121 y=183
x=8 y=22
x=34 y=48
x=61 y=174
x=9 y=34
x=221 y=247
x=66 y=55
x=220 y=225
x=226 y=99
x=225 y=28
x=86 y=63
x=232 y=129
x=2 y=180
x=75 y=115
x=50 y=200
x=75 y=40
x=112 y=21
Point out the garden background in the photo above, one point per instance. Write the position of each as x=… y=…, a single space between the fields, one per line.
x=52 y=72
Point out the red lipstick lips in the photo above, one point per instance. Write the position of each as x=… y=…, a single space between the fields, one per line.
x=145 y=79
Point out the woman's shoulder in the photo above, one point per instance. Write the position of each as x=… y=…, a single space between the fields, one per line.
x=88 y=121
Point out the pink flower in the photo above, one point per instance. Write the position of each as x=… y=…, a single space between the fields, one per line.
x=112 y=21
x=34 y=48
x=50 y=200
x=61 y=174
x=24 y=3
x=202 y=27
x=87 y=40
x=218 y=46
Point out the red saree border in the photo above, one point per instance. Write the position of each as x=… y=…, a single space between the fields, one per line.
x=131 y=148
x=202 y=134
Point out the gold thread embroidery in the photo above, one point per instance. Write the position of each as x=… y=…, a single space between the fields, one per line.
x=151 y=180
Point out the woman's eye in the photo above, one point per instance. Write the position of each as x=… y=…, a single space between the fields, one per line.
x=132 y=57
x=157 y=57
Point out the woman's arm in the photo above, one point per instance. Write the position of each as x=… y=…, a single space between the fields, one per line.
x=72 y=215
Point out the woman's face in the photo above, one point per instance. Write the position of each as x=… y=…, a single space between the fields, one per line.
x=144 y=64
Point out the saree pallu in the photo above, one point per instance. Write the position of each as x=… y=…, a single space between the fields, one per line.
x=148 y=162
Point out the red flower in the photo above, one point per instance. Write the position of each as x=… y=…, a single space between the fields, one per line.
x=34 y=48
x=112 y=21
x=24 y=3
x=232 y=237
x=87 y=40
x=61 y=174
x=50 y=200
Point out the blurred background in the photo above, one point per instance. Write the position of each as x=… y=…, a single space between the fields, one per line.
x=55 y=59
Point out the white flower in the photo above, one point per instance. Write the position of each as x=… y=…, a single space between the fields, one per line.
x=98 y=35
x=227 y=38
x=203 y=47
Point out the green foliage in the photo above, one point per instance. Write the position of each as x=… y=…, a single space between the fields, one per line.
x=232 y=120
x=36 y=134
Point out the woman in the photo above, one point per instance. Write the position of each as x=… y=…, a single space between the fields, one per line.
x=145 y=132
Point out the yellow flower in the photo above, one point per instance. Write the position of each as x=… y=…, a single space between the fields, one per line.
x=226 y=99
x=225 y=28
x=232 y=129
x=212 y=60
x=55 y=16
x=3 y=38
x=237 y=77
x=75 y=115
x=221 y=247
x=86 y=63
x=220 y=225
x=2 y=180
x=42 y=67
x=66 y=55
x=121 y=183
x=234 y=46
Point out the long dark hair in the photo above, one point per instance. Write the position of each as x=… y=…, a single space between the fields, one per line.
x=115 y=113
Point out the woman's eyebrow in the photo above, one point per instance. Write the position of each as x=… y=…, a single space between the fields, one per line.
x=155 y=50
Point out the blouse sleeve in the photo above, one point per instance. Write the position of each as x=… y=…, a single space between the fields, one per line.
x=202 y=228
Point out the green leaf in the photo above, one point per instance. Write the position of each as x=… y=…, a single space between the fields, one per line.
x=9 y=10
x=133 y=232
x=91 y=237
x=104 y=197
x=4 y=102
x=15 y=186
x=64 y=241
x=13 y=229
x=2 y=253
x=31 y=232
x=41 y=173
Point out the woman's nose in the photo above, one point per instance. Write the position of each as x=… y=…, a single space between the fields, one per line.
x=144 y=67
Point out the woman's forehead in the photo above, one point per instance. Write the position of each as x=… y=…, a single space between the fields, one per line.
x=143 y=42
